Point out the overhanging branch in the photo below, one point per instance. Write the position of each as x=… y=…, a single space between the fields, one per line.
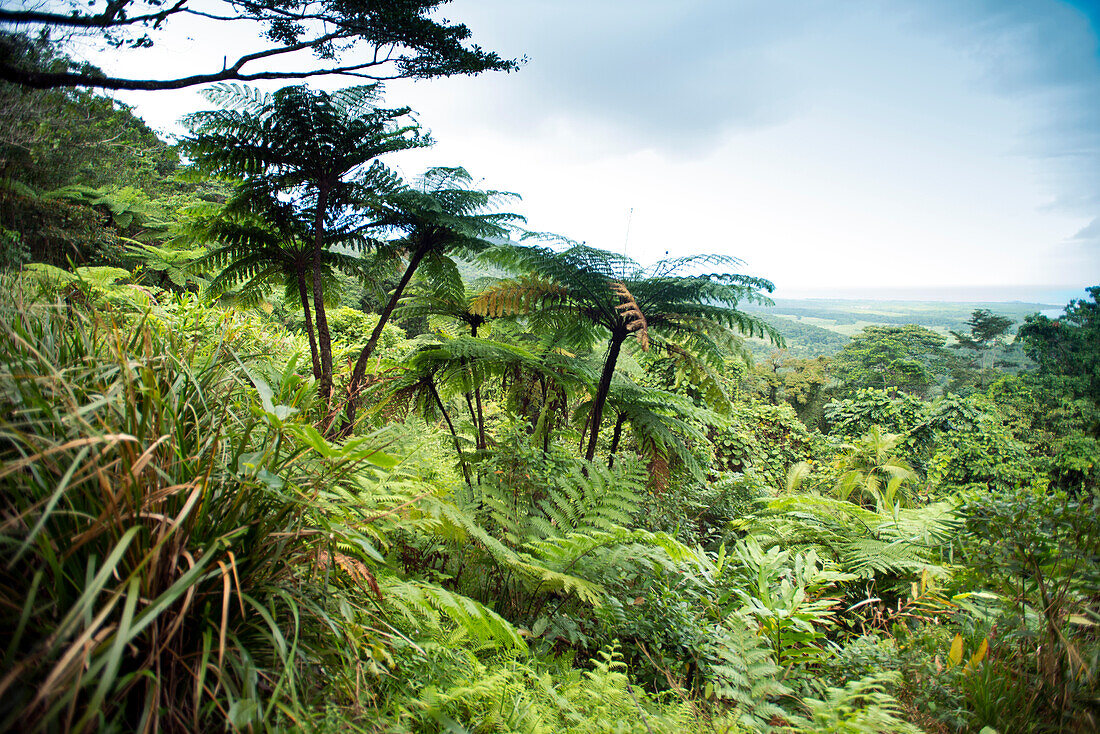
x=108 y=19
x=234 y=72
x=405 y=41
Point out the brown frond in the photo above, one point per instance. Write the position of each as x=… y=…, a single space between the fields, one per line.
x=353 y=567
x=515 y=297
x=632 y=314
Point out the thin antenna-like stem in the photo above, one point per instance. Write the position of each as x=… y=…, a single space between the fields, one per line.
x=626 y=240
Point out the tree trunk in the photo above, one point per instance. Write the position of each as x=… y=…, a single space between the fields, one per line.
x=596 y=414
x=454 y=434
x=304 y=295
x=324 y=339
x=473 y=397
x=542 y=427
x=615 y=439
x=482 y=441
x=468 y=395
x=360 y=370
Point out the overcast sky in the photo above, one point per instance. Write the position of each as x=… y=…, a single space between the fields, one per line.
x=844 y=149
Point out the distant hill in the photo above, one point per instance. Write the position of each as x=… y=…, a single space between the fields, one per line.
x=816 y=326
x=803 y=339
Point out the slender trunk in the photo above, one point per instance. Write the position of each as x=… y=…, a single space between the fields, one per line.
x=773 y=385
x=360 y=370
x=542 y=401
x=482 y=441
x=304 y=295
x=473 y=397
x=596 y=414
x=615 y=439
x=469 y=397
x=324 y=340
x=542 y=427
x=454 y=433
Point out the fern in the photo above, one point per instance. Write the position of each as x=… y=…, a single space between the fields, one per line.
x=860 y=706
x=864 y=542
x=525 y=566
x=421 y=602
x=544 y=696
x=602 y=500
x=741 y=671
x=565 y=552
x=870 y=556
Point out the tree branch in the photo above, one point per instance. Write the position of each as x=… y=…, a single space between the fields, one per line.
x=49 y=80
x=107 y=19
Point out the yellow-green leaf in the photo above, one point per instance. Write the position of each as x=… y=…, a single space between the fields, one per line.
x=977 y=658
x=956 y=655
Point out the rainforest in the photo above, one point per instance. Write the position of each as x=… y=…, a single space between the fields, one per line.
x=291 y=441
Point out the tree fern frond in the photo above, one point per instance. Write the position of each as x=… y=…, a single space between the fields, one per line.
x=419 y=601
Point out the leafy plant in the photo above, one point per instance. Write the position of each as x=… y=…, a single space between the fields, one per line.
x=1044 y=545
x=869 y=472
x=167 y=530
x=860 y=706
x=784 y=592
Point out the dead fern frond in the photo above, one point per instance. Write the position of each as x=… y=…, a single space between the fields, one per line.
x=517 y=296
x=632 y=314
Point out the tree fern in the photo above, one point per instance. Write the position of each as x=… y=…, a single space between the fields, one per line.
x=315 y=150
x=614 y=296
x=442 y=215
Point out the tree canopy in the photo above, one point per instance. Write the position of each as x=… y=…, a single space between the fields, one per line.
x=1065 y=348
x=365 y=39
x=316 y=149
x=906 y=358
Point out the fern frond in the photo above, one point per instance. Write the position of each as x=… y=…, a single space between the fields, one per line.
x=419 y=601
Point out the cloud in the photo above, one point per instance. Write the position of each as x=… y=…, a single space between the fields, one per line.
x=1045 y=55
x=672 y=76
x=605 y=78
x=1089 y=233
x=1086 y=244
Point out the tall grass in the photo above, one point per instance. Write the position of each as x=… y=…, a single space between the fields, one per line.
x=165 y=550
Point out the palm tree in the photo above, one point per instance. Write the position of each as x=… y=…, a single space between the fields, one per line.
x=442 y=215
x=595 y=294
x=316 y=150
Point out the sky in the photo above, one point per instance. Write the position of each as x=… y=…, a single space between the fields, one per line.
x=940 y=149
